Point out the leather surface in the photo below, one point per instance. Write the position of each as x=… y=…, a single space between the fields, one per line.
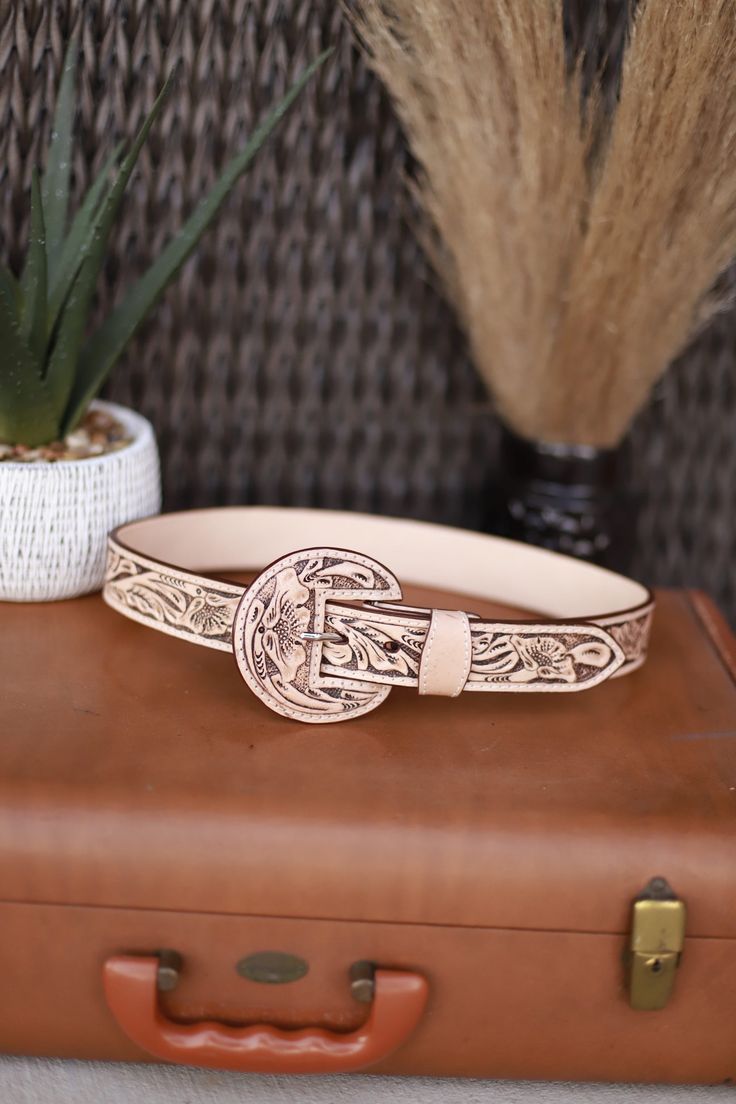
x=587 y=623
x=146 y=801
x=447 y=654
x=144 y=774
x=502 y=1003
x=252 y=537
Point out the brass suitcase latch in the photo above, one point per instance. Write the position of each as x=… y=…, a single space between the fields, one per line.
x=657 y=938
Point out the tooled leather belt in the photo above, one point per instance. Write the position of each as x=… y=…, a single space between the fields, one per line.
x=321 y=636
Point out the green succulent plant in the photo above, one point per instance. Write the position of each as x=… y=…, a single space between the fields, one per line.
x=50 y=366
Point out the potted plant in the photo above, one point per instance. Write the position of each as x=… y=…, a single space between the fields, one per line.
x=72 y=467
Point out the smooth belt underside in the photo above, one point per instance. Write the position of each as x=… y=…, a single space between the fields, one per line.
x=320 y=635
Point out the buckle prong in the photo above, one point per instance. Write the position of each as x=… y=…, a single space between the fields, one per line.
x=334 y=637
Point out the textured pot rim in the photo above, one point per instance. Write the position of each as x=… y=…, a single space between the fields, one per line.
x=140 y=428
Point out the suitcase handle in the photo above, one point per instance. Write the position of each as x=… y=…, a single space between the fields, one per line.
x=131 y=993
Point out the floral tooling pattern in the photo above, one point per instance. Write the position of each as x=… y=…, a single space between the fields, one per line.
x=277 y=660
x=376 y=645
x=185 y=606
x=633 y=636
x=516 y=659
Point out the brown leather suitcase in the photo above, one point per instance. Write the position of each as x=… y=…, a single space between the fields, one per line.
x=484 y=854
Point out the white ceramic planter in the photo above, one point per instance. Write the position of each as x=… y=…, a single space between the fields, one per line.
x=54 y=518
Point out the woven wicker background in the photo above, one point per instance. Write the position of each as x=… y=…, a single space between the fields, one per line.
x=305 y=355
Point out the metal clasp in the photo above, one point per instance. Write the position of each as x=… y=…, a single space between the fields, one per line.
x=655 y=948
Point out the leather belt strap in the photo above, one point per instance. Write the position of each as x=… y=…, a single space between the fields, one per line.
x=320 y=635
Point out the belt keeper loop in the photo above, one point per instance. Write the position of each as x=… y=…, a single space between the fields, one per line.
x=447 y=654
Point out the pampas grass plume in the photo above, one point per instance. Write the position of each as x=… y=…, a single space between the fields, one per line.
x=580 y=249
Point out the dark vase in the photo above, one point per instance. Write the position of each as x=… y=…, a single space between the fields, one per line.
x=575 y=499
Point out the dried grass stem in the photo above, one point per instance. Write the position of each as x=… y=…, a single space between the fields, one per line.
x=580 y=252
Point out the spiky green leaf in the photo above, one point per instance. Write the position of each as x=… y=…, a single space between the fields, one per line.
x=27 y=401
x=27 y=414
x=55 y=188
x=77 y=242
x=104 y=347
x=95 y=243
x=94 y=240
x=33 y=280
x=64 y=358
x=9 y=290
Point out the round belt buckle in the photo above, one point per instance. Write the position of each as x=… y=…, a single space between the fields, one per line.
x=279 y=633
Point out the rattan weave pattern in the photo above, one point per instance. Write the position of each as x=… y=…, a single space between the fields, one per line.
x=306 y=355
